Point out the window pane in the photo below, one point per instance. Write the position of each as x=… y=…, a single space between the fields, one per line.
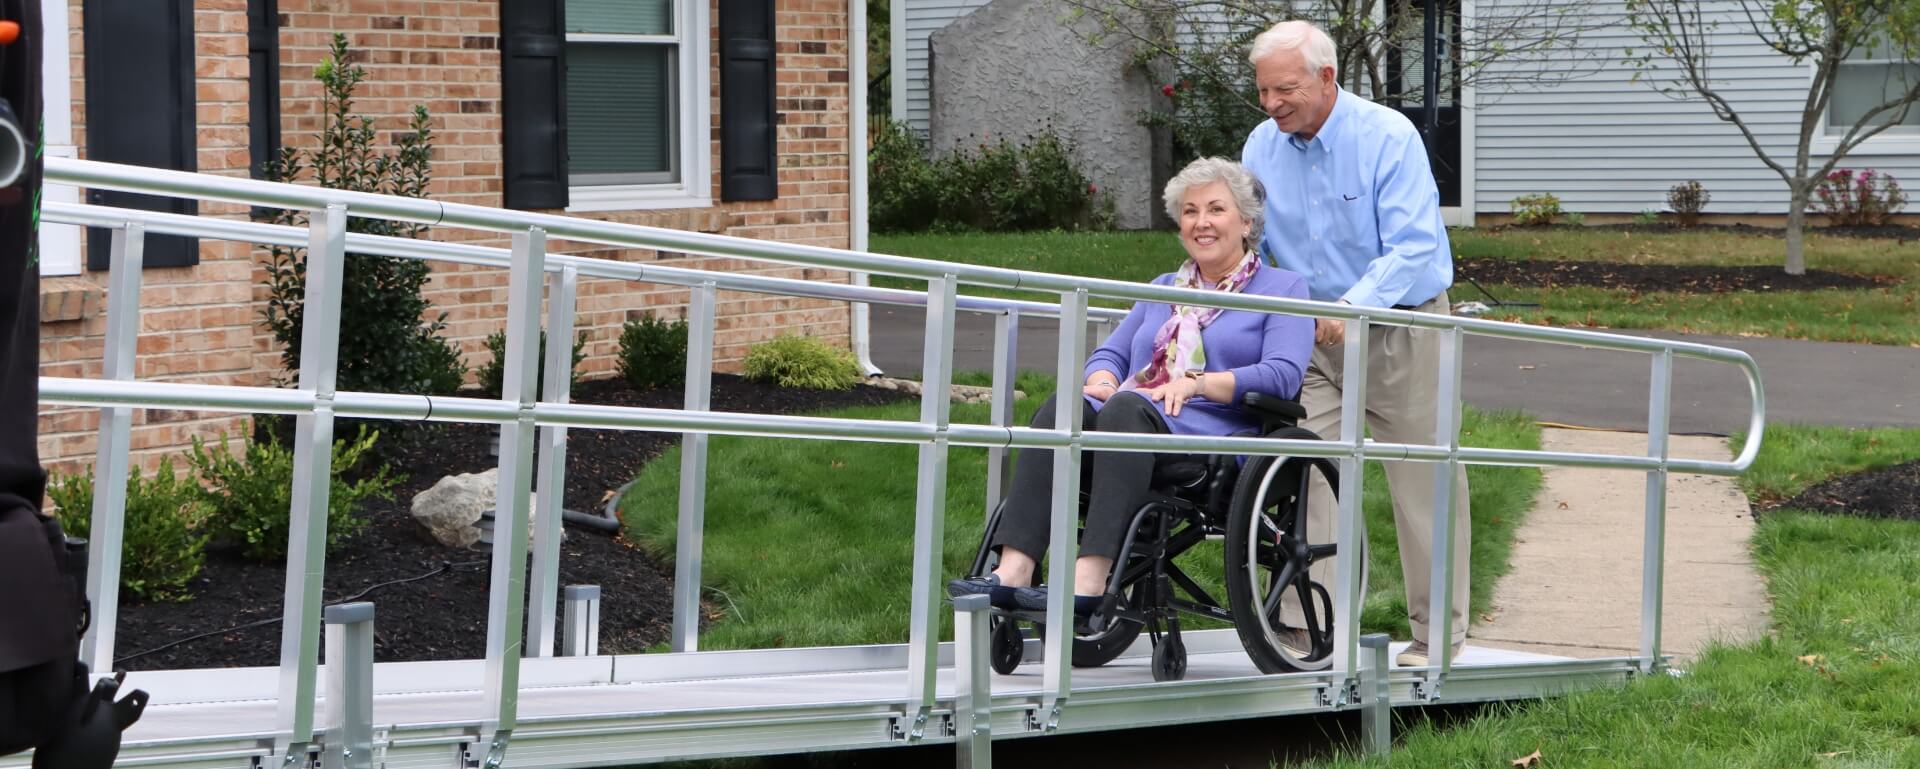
x=622 y=17
x=1861 y=87
x=619 y=110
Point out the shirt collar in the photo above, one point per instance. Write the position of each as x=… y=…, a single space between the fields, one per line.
x=1327 y=129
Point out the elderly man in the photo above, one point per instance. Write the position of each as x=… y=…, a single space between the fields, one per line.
x=1352 y=205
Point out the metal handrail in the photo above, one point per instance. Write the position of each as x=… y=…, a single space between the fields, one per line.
x=520 y=412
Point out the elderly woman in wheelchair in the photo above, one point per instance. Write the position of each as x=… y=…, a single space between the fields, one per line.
x=1186 y=371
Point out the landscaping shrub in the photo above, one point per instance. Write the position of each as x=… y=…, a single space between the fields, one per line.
x=493 y=375
x=1206 y=116
x=995 y=186
x=1536 y=210
x=1859 y=199
x=802 y=361
x=1647 y=218
x=385 y=346
x=163 y=533
x=1574 y=219
x=653 y=353
x=1688 y=199
x=251 y=496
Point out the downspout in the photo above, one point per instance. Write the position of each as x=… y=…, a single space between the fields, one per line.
x=857 y=174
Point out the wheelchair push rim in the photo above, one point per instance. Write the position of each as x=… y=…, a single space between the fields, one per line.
x=1269 y=554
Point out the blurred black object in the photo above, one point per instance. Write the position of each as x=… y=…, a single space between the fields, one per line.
x=45 y=703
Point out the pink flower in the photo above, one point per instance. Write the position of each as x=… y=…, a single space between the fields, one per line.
x=1093 y=189
x=1167 y=89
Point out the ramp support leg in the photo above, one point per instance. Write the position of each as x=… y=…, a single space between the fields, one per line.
x=580 y=633
x=973 y=692
x=349 y=729
x=1376 y=709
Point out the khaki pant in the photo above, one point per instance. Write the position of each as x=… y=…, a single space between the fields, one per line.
x=1404 y=375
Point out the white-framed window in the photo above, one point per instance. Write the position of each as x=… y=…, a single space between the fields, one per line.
x=638 y=104
x=1864 y=81
x=59 y=243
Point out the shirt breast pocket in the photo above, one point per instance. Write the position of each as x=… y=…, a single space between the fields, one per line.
x=1355 y=213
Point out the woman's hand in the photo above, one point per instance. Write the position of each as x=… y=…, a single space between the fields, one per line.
x=1174 y=394
x=1100 y=391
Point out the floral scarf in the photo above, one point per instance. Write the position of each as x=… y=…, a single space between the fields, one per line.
x=1176 y=346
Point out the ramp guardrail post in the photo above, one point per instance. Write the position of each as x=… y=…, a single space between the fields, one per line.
x=312 y=482
x=972 y=684
x=555 y=387
x=1006 y=367
x=1376 y=707
x=1350 y=566
x=692 y=523
x=930 y=507
x=1446 y=506
x=1062 y=545
x=581 y=636
x=110 y=462
x=508 y=582
x=349 y=725
x=1654 y=553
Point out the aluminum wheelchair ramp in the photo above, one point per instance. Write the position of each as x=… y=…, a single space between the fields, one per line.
x=526 y=707
x=641 y=708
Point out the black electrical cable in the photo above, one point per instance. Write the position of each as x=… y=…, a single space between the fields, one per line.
x=1496 y=300
x=444 y=567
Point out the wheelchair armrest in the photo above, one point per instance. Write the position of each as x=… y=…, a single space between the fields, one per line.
x=1274 y=411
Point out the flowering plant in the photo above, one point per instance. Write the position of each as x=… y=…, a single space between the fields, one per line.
x=1859 y=199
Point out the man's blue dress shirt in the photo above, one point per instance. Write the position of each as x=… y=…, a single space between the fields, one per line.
x=1354 y=209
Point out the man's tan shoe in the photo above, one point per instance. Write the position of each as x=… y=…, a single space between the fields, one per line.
x=1415 y=655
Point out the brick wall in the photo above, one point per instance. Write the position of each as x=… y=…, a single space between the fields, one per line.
x=202 y=323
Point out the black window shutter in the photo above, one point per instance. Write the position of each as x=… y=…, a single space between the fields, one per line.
x=140 y=110
x=533 y=103
x=749 y=123
x=263 y=82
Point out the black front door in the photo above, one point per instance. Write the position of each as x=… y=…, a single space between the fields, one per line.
x=140 y=109
x=1406 y=78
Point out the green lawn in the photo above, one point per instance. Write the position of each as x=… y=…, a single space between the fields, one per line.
x=809 y=542
x=1884 y=315
x=1837 y=684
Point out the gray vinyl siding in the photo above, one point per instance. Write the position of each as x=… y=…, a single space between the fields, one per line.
x=1608 y=144
x=925 y=17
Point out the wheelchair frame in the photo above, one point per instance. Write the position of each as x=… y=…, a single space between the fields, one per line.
x=1144 y=574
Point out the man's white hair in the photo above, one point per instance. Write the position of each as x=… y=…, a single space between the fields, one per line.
x=1302 y=36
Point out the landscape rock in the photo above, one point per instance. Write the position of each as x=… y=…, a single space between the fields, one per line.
x=959 y=393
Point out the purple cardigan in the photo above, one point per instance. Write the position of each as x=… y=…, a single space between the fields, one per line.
x=1266 y=353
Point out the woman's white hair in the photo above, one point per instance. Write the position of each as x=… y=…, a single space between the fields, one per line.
x=1302 y=36
x=1248 y=194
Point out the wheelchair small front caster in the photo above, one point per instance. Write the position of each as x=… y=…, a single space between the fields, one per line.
x=1170 y=659
x=1007 y=645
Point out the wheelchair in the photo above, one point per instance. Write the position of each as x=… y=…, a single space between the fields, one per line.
x=1258 y=508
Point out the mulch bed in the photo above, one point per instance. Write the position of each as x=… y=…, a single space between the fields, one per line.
x=431 y=601
x=1693 y=279
x=1889 y=492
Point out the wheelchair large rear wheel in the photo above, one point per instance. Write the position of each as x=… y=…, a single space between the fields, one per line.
x=1268 y=551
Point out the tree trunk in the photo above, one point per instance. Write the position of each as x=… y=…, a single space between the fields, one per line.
x=1796 y=223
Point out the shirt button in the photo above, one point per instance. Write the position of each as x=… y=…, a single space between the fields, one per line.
x=1316 y=237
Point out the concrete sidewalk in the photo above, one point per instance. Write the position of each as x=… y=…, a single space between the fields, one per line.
x=1825 y=383
x=1574 y=588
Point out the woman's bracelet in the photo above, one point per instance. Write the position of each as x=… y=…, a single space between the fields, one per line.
x=1105 y=383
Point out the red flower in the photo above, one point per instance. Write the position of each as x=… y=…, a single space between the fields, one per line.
x=1167 y=89
x=1093 y=189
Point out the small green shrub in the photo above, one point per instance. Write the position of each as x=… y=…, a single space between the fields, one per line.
x=1211 y=105
x=1574 y=218
x=802 y=361
x=653 y=353
x=251 y=496
x=1647 y=218
x=493 y=375
x=1536 y=210
x=995 y=186
x=163 y=537
x=1688 y=199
